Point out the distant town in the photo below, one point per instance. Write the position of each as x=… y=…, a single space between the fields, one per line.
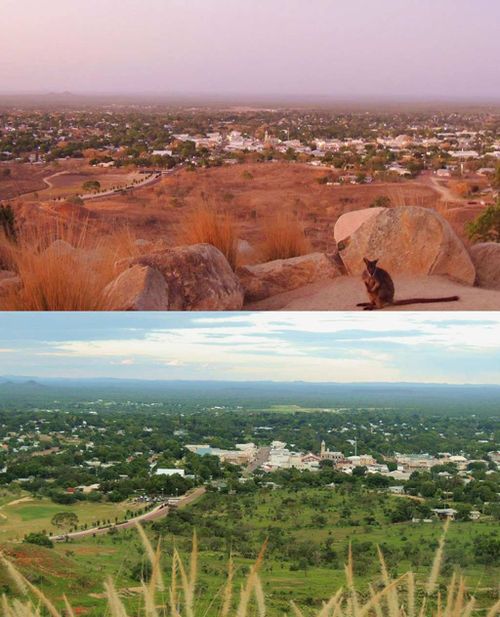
x=108 y=451
x=312 y=471
x=360 y=147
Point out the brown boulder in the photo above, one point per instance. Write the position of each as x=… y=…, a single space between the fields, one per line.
x=140 y=288
x=486 y=259
x=409 y=240
x=7 y=274
x=347 y=224
x=274 y=277
x=62 y=249
x=198 y=278
x=9 y=283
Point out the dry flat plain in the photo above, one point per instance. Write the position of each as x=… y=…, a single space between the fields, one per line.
x=253 y=194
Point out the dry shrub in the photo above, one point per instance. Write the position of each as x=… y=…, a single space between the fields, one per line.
x=460 y=189
x=388 y=597
x=284 y=237
x=64 y=267
x=207 y=226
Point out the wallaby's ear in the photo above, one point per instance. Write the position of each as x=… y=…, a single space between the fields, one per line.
x=366 y=260
x=375 y=262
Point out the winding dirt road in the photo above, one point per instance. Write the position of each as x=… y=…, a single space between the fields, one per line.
x=47 y=179
x=445 y=193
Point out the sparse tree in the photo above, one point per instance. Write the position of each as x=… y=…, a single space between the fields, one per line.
x=65 y=520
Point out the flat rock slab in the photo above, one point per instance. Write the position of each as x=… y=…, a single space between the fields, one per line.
x=268 y=279
x=343 y=293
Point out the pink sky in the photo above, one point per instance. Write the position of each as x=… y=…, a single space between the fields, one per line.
x=345 y=48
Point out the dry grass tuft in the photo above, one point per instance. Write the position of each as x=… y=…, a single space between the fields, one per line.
x=63 y=267
x=284 y=238
x=207 y=226
x=393 y=598
x=411 y=196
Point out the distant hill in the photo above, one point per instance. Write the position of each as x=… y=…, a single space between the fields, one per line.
x=438 y=398
x=31 y=384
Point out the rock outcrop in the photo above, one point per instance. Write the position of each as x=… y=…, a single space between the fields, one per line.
x=139 y=288
x=197 y=277
x=486 y=259
x=409 y=240
x=349 y=222
x=274 y=277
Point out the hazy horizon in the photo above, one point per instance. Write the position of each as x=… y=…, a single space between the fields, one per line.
x=361 y=49
x=65 y=380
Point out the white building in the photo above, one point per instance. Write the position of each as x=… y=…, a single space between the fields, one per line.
x=164 y=471
x=464 y=154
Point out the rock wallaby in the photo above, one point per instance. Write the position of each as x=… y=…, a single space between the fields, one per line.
x=380 y=288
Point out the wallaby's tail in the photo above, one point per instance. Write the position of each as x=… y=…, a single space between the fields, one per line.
x=424 y=300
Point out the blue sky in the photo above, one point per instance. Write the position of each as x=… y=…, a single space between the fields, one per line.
x=346 y=48
x=331 y=347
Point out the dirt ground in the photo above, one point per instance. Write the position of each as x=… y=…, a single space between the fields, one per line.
x=22 y=179
x=251 y=193
x=254 y=195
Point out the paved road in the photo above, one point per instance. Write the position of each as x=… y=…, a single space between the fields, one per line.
x=262 y=456
x=160 y=511
x=149 y=181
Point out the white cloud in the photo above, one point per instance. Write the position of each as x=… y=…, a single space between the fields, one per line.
x=289 y=346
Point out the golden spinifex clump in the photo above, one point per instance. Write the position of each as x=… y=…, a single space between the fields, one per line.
x=207 y=225
x=62 y=267
x=396 y=598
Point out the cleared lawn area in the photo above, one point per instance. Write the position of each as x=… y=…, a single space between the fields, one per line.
x=35 y=515
x=71 y=183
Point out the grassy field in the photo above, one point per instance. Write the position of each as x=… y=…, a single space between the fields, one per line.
x=297 y=408
x=297 y=525
x=21 y=514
